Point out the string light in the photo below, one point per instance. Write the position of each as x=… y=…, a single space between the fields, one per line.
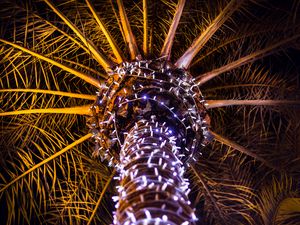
x=149 y=121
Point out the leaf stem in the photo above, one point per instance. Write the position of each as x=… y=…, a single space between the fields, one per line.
x=61 y=93
x=222 y=103
x=79 y=110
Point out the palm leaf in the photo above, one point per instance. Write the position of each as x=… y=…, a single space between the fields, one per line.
x=54 y=58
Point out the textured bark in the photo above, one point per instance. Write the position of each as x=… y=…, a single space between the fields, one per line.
x=152 y=188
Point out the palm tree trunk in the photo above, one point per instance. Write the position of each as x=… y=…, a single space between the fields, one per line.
x=151 y=120
x=152 y=188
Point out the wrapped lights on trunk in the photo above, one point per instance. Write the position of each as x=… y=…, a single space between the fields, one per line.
x=149 y=121
x=139 y=89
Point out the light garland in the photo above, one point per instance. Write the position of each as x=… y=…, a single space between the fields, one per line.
x=149 y=121
x=151 y=178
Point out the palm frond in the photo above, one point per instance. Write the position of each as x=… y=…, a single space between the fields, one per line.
x=166 y=49
x=103 y=61
x=185 y=60
x=243 y=60
x=222 y=103
x=60 y=93
x=130 y=38
x=230 y=199
x=79 y=74
x=240 y=148
x=45 y=161
x=272 y=199
x=116 y=50
x=146 y=28
x=288 y=211
x=54 y=58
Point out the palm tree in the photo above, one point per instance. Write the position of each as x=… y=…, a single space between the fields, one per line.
x=149 y=96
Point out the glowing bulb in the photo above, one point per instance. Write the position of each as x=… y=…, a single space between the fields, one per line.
x=165 y=218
